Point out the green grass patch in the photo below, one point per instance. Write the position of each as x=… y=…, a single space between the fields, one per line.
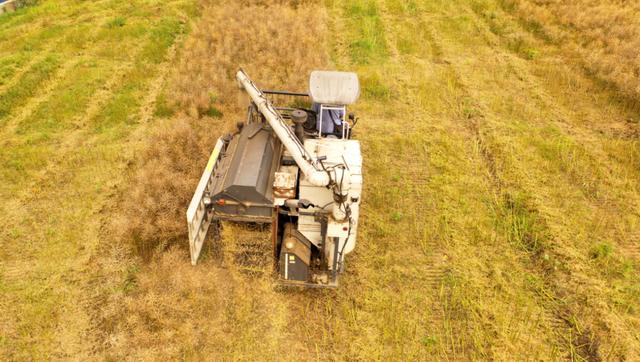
x=117 y=22
x=402 y=7
x=10 y=64
x=28 y=85
x=373 y=87
x=70 y=99
x=36 y=42
x=19 y=162
x=162 y=37
x=368 y=43
x=396 y=216
x=122 y=110
x=522 y=225
x=214 y=112
x=163 y=108
x=601 y=251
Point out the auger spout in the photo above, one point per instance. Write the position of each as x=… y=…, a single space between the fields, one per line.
x=309 y=167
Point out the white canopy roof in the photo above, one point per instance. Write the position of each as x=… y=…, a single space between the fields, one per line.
x=339 y=88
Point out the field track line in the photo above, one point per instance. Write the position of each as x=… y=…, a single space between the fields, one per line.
x=471 y=128
x=433 y=272
x=588 y=135
x=71 y=15
x=15 y=269
x=78 y=136
x=105 y=93
x=560 y=326
x=51 y=46
x=17 y=76
x=552 y=317
x=87 y=302
x=389 y=26
x=66 y=20
x=149 y=102
x=46 y=92
x=102 y=96
x=573 y=329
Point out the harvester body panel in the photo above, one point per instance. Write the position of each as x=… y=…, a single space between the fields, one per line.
x=243 y=191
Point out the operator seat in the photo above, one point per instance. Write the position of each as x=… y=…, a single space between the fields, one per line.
x=331 y=120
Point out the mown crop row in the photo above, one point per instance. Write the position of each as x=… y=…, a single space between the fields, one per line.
x=603 y=35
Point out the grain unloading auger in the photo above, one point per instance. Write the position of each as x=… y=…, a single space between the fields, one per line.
x=296 y=168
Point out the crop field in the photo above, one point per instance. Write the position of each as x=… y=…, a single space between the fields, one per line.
x=501 y=204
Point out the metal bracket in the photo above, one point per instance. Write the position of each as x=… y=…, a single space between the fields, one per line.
x=199 y=214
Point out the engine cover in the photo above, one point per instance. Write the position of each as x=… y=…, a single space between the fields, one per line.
x=336 y=151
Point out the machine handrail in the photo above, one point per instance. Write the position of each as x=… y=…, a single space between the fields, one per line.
x=286 y=93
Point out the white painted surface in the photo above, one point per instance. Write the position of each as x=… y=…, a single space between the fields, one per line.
x=337 y=151
x=197 y=220
x=337 y=88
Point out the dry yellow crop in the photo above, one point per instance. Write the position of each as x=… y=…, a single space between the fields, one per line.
x=604 y=35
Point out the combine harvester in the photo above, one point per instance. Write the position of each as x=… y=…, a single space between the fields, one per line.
x=296 y=168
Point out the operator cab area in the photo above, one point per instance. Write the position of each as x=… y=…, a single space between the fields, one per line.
x=331 y=92
x=325 y=105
